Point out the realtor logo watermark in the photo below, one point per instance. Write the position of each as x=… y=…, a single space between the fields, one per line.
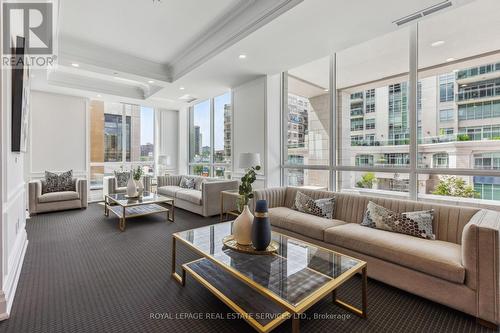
x=34 y=21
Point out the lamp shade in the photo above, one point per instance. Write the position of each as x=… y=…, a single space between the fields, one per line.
x=248 y=160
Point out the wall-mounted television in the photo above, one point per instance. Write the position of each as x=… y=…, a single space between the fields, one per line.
x=20 y=98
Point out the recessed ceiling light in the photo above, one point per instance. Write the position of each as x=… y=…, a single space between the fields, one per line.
x=464 y=85
x=99 y=96
x=437 y=43
x=450 y=59
x=75 y=64
x=151 y=81
x=242 y=56
x=182 y=88
x=326 y=89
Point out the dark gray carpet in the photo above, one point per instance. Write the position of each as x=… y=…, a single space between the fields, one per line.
x=81 y=274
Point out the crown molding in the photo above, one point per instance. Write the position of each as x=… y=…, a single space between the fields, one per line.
x=101 y=59
x=243 y=18
x=73 y=81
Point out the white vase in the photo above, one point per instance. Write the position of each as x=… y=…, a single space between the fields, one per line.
x=242 y=227
x=131 y=186
x=139 y=185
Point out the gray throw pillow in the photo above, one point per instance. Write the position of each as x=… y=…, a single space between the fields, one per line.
x=198 y=183
x=58 y=183
x=122 y=178
x=187 y=182
x=417 y=224
x=320 y=207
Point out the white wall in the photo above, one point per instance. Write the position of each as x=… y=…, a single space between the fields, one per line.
x=58 y=135
x=183 y=141
x=13 y=237
x=273 y=131
x=167 y=139
x=249 y=124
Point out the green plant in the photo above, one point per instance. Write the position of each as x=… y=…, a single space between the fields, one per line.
x=455 y=187
x=463 y=137
x=137 y=173
x=245 y=190
x=367 y=180
x=495 y=138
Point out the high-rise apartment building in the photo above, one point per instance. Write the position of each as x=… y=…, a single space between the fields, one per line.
x=458 y=127
x=197 y=141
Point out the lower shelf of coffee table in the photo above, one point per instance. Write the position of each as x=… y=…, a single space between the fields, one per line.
x=141 y=210
x=258 y=310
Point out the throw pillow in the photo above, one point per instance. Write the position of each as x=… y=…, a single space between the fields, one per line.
x=198 y=183
x=58 y=183
x=418 y=224
x=187 y=182
x=122 y=178
x=320 y=207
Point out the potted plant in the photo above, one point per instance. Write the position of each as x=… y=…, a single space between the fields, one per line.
x=137 y=174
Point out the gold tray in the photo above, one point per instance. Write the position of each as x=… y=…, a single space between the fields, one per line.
x=231 y=243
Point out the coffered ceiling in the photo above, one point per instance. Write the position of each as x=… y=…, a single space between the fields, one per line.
x=156 y=53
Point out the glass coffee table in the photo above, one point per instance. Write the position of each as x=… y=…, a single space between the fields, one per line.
x=266 y=290
x=124 y=207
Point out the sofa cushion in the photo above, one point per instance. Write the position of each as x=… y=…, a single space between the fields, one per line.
x=169 y=190
x=189 y=195
x=433 y=257
x=58 y=183
x=302 y=223
x=58 y=196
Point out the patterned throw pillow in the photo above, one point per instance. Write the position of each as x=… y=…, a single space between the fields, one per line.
x=418 y=224
x=122 y=178
x=58 y=183
x=321 y=207
x=198 y=183
x=187 y=182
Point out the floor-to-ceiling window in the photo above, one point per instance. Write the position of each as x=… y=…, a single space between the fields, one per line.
x=416 y=112
x=307 y=125
x=121 y=138
x=210 y=137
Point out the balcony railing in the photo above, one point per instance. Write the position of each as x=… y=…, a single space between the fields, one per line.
x=475 y=71
x=478 y=93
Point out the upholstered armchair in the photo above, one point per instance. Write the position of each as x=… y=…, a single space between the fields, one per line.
x=110 y=185
x=40 y=202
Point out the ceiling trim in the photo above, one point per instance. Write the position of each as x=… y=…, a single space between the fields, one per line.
x=101 y=59
x=243 y=19
x=68 y=80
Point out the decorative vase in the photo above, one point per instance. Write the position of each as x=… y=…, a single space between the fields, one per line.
x=140 y=186
x=242 y=227
x=131 y=186
x=261 y=226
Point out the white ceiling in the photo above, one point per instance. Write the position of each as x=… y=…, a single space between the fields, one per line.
x=149 y=36
x=142 y=28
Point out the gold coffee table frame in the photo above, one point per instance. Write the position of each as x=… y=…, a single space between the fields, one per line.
x=125 y=207
x=289 y=310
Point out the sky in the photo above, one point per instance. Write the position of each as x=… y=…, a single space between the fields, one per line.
x=147 y=125
x=201 y=118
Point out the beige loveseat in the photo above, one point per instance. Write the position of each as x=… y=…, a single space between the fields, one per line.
x=459 y=269
x=55 y=201
x=203 y=200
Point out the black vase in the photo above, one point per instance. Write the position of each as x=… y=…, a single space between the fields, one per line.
x=261 y=227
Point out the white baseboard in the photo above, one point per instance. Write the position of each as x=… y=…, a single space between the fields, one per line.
x=12 y=278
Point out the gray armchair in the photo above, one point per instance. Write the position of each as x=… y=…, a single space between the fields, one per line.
x=56 y=201
x=111 y=186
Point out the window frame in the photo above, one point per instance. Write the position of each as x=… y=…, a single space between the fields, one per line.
x=212 y=164
x=414 y=168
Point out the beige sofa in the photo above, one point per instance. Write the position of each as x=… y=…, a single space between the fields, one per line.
x=459 y=269
x=56 y=201
x=203 y=200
